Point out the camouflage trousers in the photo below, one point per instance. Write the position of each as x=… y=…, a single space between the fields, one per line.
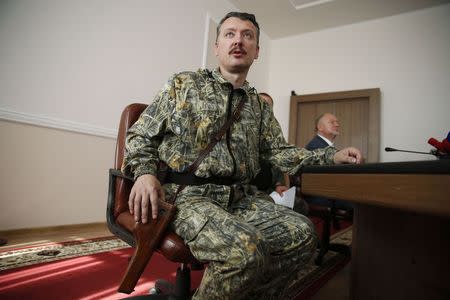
x=254 y=248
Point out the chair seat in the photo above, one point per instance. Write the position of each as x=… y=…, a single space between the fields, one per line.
x=172 y=246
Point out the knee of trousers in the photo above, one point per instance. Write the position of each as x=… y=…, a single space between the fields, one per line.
x=310 y=239
x=250 y=252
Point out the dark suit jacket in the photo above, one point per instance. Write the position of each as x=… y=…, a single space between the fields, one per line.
x=316 y=143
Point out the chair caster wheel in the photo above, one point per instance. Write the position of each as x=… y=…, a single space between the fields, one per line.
x=154 y=291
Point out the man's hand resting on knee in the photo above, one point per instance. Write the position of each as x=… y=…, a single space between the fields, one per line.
x=146 y=191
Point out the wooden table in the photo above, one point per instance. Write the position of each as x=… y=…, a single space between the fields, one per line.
x=401 y=232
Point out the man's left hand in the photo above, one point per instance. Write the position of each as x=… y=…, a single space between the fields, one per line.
x=280 y=189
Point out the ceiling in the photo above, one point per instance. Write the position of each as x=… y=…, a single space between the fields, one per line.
x=279 y=18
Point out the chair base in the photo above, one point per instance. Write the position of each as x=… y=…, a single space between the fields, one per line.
x=340 y=248
x=153 y=297
x=165 y=290
x=331 y=217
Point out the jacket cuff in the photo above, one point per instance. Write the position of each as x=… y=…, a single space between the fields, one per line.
x=330 y=151
x=145 y=169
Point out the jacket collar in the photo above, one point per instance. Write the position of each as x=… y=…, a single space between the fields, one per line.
x=330 y=143
x=219 y=78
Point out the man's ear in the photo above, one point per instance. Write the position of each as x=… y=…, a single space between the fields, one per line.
x=216 y=49
x=257 y=52
x=319 y=128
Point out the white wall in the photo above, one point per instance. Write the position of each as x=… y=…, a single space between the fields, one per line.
x=74 y=65
x=77 y=63
x=83 y=61
x=52 y=177
x=407 y=56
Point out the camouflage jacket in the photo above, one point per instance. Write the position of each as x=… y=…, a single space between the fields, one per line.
x=192 y=106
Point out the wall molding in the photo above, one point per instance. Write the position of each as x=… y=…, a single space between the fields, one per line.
x=57 y=229
x=43 y=121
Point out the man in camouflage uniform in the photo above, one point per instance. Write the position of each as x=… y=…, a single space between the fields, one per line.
x=254 y=247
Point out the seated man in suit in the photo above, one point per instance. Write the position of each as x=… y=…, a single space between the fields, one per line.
x=327 y=129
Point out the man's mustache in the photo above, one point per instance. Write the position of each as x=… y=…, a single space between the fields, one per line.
x=240 y=49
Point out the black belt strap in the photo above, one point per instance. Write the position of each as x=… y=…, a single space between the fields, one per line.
x=191 y=179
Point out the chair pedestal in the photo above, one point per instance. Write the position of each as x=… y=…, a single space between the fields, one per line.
x=330 y=217
x=164 y=289
x=181 y=288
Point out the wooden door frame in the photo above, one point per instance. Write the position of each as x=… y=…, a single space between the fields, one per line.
x=373 y=96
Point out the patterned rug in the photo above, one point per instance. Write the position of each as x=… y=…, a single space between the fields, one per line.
x=51 y=252
x=55 y=267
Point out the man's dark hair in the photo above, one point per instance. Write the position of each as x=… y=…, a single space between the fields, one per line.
x=243 y=16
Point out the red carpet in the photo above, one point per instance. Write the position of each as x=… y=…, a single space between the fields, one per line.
x=97 y=276
x=88 y=277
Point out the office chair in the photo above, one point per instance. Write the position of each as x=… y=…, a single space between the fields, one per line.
x=330 y=216
x=121 y=223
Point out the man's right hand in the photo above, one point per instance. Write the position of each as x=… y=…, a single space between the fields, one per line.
x=349 y=155
x=146 y=191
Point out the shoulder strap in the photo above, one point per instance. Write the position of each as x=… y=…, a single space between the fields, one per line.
x=236 y=115
x=217 y=136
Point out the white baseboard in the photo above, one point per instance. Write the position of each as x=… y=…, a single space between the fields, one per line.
x=43 y=121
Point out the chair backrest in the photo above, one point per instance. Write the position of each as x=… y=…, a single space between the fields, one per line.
x=129 y=116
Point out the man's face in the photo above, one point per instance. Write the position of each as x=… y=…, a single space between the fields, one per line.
x=328 y=126
x=236 y=46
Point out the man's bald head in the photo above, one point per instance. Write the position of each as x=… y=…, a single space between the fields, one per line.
x=327 y=125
